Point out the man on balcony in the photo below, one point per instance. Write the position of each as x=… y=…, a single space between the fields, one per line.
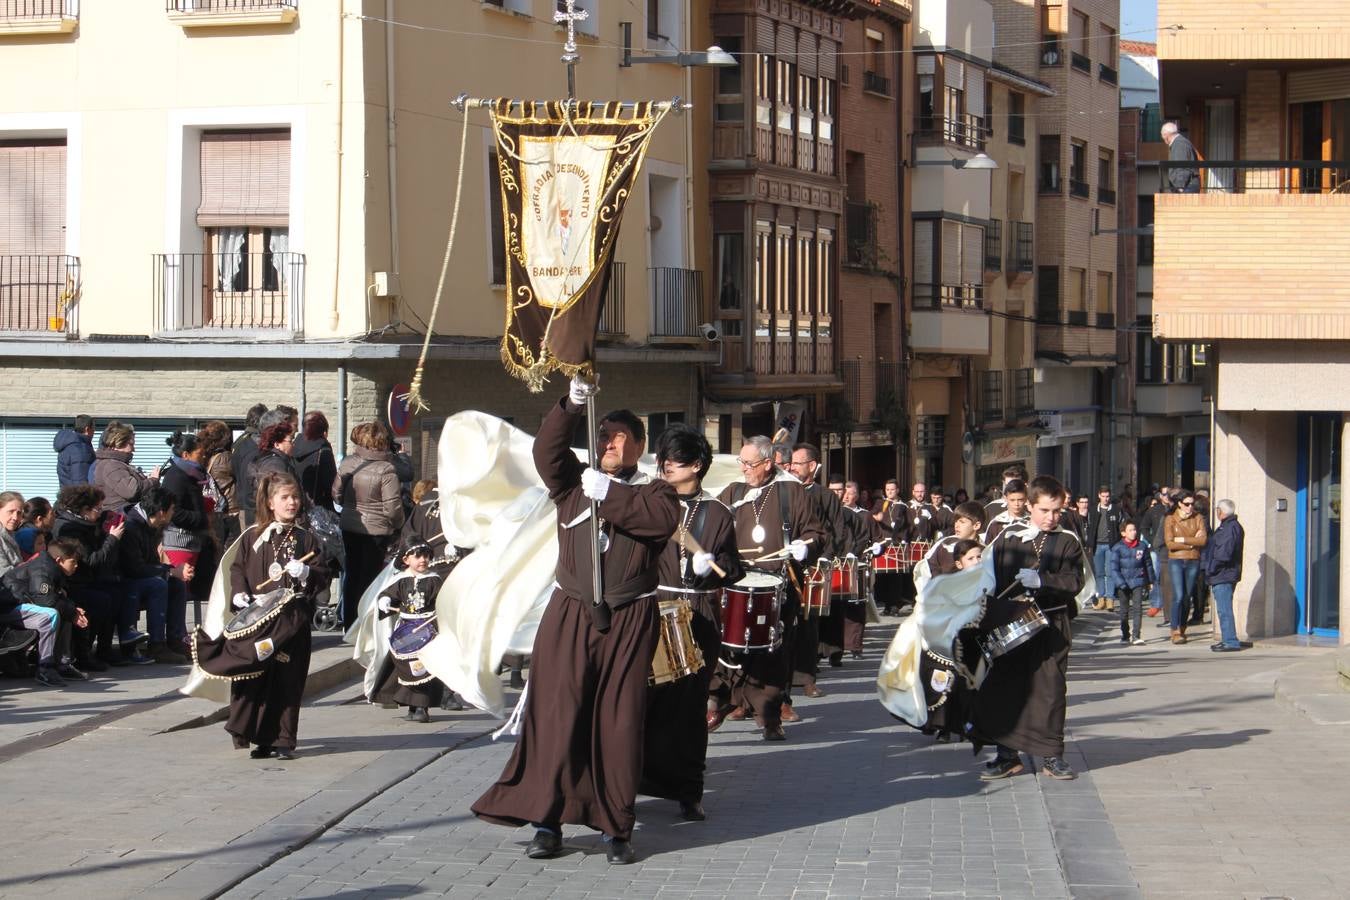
x=1181 y=179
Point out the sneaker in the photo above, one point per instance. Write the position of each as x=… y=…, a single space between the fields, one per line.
x=132 y=638
x=1139 y=642
x=1057 y=768
x=420 y=714
x=1002 y=767
x=48 y=676
x=70 y=673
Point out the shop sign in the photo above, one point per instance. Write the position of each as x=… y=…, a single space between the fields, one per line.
x=1005 y=450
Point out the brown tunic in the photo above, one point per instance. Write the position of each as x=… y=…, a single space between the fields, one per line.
x=269 y=666
x=763 y=679
x=892 y=587
x=676 y=734
x=1021 y=703
x=810 y=629
x=578 y=759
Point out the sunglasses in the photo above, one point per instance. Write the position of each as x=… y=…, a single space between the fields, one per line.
x=1187 y=503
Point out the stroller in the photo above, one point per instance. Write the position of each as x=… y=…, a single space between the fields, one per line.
x=325 y=525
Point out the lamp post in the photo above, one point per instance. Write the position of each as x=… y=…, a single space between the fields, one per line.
x=980 y=162
x=714 y=57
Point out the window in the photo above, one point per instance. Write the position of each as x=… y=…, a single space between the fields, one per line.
x=33 y=197
x=1151 y=126
x=874 y=76
x=1017 y=122
x=807 y=286
x=1075 y=297
x=496 y=226
x=782 y=267
x=1146 y=221
x=1106 y=176
x=730 y=100
x=1106 y=300
x=1049 y=164
x=824 y=278
x=825 y=123
x=654 y=20
x=993 y=246
x=1106 y=52
x=764 y=88
x=806 y=90
x=1078 y=186
x=658 y=422
x=991 y=396
x=245 y=207
x=763 y=266
x=1052 y=33
x=930 y=434
x=1078 y=42
x=1047 y=295
x=786 y=81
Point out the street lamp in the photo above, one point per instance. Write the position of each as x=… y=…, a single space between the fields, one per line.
x=714 y=57
x=978 y=162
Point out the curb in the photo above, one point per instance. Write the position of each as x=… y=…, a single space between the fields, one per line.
x=1313 y=687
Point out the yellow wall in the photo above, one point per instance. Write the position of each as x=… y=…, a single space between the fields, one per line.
x=1254 y=29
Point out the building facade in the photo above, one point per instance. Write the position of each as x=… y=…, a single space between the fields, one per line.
x=193 y=236
x=1246 y=260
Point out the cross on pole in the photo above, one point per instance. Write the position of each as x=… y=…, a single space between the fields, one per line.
x=570 y=18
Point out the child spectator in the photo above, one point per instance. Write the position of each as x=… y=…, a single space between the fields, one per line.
x=37 y=590
x=36 y=530
x=1130 y=568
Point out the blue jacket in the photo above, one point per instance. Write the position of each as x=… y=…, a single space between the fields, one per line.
x=74 y=456
x=1222 y=556
x=1130 y=567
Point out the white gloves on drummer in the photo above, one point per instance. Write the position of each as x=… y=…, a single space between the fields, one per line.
x=702 y=562
x=798 y=550
x=878 y=548
x=384 y=605
x=297 y=570
x=241 y=600
x=580 y=389
x=1030 y=578
x=850 y=556
x=595 y=484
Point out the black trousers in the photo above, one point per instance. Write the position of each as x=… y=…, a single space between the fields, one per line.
x=365 y=559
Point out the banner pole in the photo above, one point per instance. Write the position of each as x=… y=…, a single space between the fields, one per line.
x=597 y=579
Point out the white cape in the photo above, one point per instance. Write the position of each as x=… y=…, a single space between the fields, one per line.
x=198 y=683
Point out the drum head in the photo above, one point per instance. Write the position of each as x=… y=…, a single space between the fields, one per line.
x=260 y=610
x=759 y=580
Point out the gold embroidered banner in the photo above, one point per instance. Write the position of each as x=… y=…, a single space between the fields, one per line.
x=565 y=178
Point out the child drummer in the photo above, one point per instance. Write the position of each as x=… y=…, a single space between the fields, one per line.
x=411 y=597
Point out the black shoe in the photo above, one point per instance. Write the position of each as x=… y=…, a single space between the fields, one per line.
x=452 y=702
x=857 y=654
x=1002 y=767
x=1224 y=648
x=774 y=733
x=419 y=714
x=1057 y=768
x=692 y=812
x=545 y=845
x=286 y=753
x=943 y=737
x=113 y=659
x=133 y=639
x=837 y=659
x=49 y=677
x=70 y=673
x=517 y=680
x=620 y=853
x=16 y=640
x=260 y=753
x=137 y=658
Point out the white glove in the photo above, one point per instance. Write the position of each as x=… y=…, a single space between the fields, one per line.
x=878 y=548
x=297 y=570
x=702 y=563
x=241 y=600
x=595 y=484
x=798 y=550
x=850 y=556
x=384 y=605
x=579 y=390
x=1030 y=578
x=926 y=514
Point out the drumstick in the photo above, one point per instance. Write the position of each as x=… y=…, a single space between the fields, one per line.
x=691 y=544
x=759 y=549
x=270 y=580
x=777 y=553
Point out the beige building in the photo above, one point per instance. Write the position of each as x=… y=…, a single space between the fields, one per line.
x=183 y=236
x=1248 y=261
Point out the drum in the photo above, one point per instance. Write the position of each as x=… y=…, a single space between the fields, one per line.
x=263 y=609
x=1004 y=639
x=866 y=580
x=677 y=655
x=750 y=613
x=892 y=561
x=917 y=550
x=410 y=636
x=816 y=590
x=844 y=578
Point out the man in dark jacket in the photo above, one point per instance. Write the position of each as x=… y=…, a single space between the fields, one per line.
x=148 y=579
x=74 y=452
x=1151 y=530
x=1181 y=179
x=1103 y=532
x=1222 y=562
x=245 y=449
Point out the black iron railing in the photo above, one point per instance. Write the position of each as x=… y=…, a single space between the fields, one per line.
x=1106 y=195
x=1024 y=392
x=850 y=408
x=207 y=6
x=39 y=292
x=1080 y=62
x=39 y=9
x=993 y=246
x=229 y=292
x=677 y=302
x=1075 y=317
x=612 y=315
x=1052 y=51
x=1289 y=176
x=948 y=296
x=967 y=130
x=887 y=387
x=1021 y=248
x=876 y=83
x=1079 y=188
x=991 y=397
x=1106 y=320
x=1106 y=73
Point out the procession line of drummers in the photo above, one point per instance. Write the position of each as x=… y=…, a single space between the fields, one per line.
x=746 y=593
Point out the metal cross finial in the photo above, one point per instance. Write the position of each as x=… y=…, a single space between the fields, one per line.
x=570 y=18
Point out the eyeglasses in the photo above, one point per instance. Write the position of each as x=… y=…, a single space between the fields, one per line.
x=1187 y=502
x=751 y=463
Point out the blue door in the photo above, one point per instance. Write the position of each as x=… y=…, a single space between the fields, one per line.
x=1317 y=560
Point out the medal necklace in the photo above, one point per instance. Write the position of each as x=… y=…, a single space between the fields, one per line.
x=685 y=524
x=757 y=534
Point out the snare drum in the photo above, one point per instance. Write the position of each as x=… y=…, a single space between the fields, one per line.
x=410 y=636
x=816 y=590
x=750 y=613
x=677 y=655
x=1004 y=639
x=865 y=583
x=917 y=550
x=844 y=578
x=892 y=560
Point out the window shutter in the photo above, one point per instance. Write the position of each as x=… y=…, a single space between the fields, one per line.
x=764 y=36
x=972 y=254
x=955 y=73
x=975 y=91
x=29 y=460
x=951 y=252
x=829 y=59
x=33 y=198
x=808 y=60
x=246 y=178
x=923 y=252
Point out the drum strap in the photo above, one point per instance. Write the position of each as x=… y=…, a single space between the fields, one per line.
x=696 y=529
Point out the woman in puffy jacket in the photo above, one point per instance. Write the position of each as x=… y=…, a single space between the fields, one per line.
x=368 y=490
x=122 y=483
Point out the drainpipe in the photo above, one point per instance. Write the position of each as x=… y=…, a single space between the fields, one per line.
x=392 y=126
x=337 y=217
x=341 y=410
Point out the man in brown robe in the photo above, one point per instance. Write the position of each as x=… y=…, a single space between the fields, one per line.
x=1021 y=703
x=579 y=756
x=805 y=467
x=866 y=534
x=890 y=513
x=772 y=513
x=677 y=734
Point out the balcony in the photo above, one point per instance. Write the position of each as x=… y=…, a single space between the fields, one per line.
x=1257 y=253
x=949 y=318
x=231 y=13
x=1080 y=62
x=951 y=296
x=770 y=358
x=39 y=294
x=1107 y=196
x=239 y=295
x=1169 y=399
x=871 y=391
x=677 y=303
x=1067 y=338
x=993 y=246
x=1052 y=51
x=1079 y=189
x=612 y=315
x=876 y=83
x=1107 y=73
x=38 y=16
